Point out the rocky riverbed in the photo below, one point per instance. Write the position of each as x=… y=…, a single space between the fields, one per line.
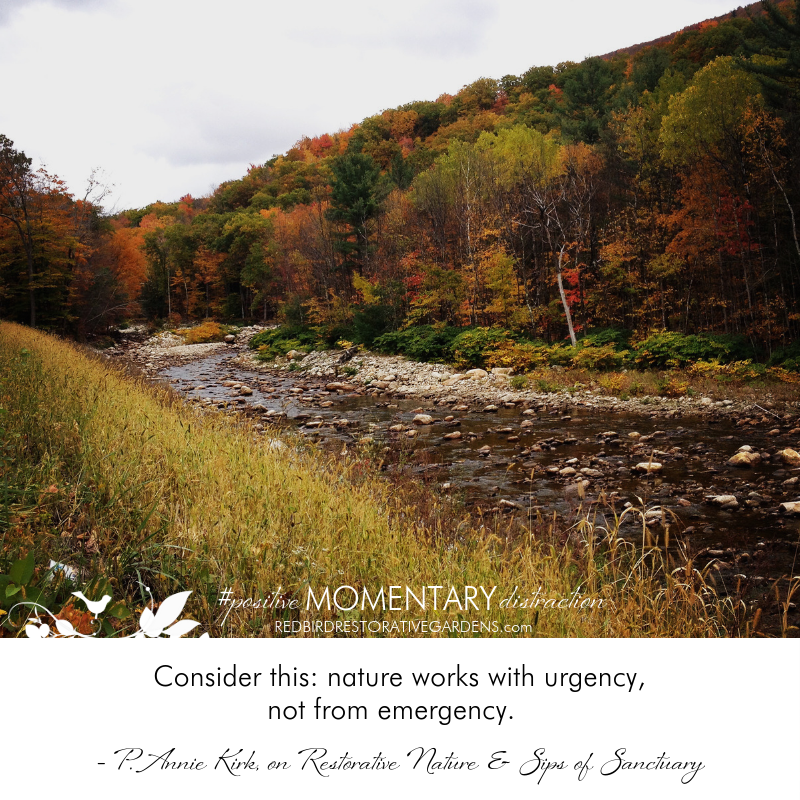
x=719 y=478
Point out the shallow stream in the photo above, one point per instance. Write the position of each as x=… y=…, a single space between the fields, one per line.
x=502 y=458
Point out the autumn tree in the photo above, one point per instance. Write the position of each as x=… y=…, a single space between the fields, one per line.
x=40 y=247
x=17 y=190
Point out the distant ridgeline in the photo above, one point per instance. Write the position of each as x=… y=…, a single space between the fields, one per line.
x=655 y=188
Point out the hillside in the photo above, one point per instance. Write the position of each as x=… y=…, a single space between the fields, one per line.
x=751 y=9
x=573 y=197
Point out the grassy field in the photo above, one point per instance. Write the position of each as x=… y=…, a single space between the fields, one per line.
x=128 y=484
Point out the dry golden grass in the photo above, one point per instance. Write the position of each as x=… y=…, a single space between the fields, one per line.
x=150 y=489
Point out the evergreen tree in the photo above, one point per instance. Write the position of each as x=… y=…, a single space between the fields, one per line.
x=357 y=191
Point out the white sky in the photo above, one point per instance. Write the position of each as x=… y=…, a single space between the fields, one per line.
x=175 y=96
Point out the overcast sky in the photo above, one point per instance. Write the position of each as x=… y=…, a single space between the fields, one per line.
x=175 y=96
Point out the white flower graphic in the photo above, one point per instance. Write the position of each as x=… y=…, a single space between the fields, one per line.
x=151 y=625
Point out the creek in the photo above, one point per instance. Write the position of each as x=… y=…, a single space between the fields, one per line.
x=549 y=460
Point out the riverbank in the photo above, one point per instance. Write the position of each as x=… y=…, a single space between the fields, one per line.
x=128 y=482
x=399 y=377
x=479 y=440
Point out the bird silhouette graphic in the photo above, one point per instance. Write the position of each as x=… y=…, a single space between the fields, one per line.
x=95 y=606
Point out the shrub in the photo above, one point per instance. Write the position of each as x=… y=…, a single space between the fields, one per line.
x=204 y=332
x=600 y=357
x=671 y=387
x=520 y=356
x=560 y=355
x=370 y=322
x=783 y=375
x=473 y=346
x=735 y=371
x=670 y=349
x=545 y=385
x=519 y=382
x=787 y=357
x=619 y=337
x=279 y=341
x=613 y=383
x=423 y=343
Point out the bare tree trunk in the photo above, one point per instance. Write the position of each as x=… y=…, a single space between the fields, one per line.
x=564 y=299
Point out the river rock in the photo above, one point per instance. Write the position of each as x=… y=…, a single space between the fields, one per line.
x=744 y=459
x=529 y=412
x=453 y=435
x=576 y=489
x=504 y=371
x=790 y=457
x=295 y=354
x=723 y=500
x=491 y=408
x=649 y=466
x=461 y=408
x=245 y=390
x=230 y=339
x=790 y=508
x=423 y=419
x=476 y=373
x=567 y=472
x=337 y=386
x=397 y=428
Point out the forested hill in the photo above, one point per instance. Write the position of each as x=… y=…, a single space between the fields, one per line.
x=751 y=9
x=657 y=189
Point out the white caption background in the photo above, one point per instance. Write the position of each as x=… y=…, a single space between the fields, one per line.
x=69 y=705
